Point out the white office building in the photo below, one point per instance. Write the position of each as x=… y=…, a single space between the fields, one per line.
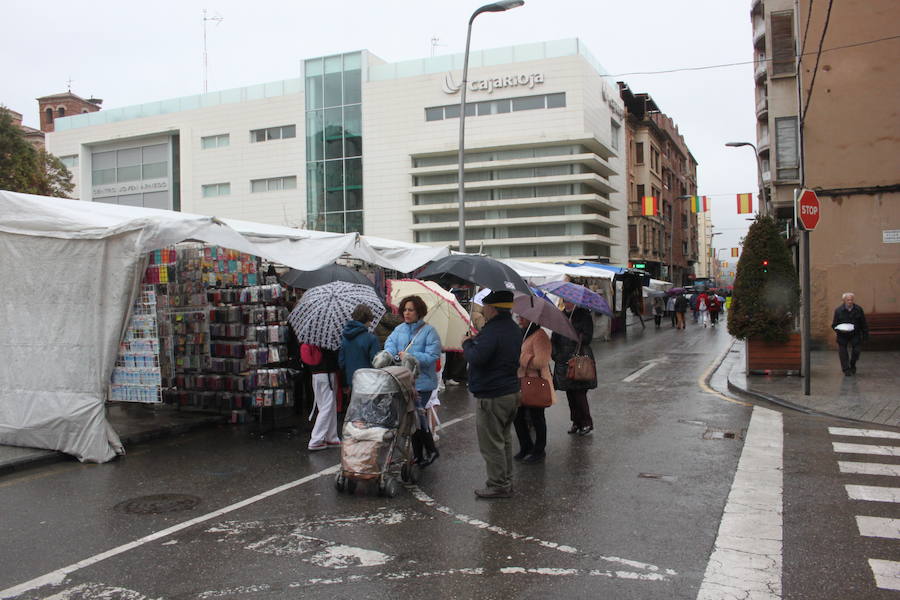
x=358 y=144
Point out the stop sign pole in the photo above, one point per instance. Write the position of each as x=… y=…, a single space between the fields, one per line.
x=808 y=214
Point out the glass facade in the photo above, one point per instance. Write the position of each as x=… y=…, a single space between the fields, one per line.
x=136 y=176
x=334 y=185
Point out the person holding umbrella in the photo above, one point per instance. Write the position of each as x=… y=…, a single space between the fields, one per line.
x=534 y=361
x=565 y=349
x=419 y=339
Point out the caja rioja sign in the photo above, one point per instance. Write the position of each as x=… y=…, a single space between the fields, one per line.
x=489 y=84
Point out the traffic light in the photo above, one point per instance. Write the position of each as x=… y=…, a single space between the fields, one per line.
x=765 y=266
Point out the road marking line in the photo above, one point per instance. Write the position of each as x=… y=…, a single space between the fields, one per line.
x=58 y=576
x=875 y=433
x=865 y=449
x=887 y=573
x=878 y=527
x=863 y=468
x=640 y=371
x=873 y=493
x=747 y=557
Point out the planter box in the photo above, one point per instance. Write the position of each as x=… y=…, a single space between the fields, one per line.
x=765 y=358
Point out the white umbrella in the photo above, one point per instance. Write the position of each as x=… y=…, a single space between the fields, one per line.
x=445 y=313
x=322 y=312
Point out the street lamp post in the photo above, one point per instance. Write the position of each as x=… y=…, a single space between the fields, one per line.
x=709 y=253
x=493 y=7
x=763 y=193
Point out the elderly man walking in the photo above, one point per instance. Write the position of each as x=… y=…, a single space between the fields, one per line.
x=493 y=357
x=849 y=323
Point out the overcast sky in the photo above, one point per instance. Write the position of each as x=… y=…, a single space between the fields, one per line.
x=133 y=52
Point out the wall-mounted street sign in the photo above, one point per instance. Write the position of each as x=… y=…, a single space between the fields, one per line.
x=808 y=209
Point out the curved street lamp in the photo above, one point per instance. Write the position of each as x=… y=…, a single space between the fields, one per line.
x=763 y=193
x=493 y=7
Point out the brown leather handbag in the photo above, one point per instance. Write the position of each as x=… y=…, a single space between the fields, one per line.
x=536 y=392
x=581 y=367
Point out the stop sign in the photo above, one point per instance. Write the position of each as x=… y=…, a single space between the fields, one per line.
x=809 y=209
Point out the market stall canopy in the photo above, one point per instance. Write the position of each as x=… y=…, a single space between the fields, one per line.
x=71 y=271
x=538 y=273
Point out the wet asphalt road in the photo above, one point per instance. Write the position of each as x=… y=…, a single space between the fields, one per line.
x=583 y=524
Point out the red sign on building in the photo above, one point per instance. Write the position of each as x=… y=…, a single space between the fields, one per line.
x=808 y=208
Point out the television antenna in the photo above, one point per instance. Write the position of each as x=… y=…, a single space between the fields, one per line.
x=435 y=44
x=217 y=19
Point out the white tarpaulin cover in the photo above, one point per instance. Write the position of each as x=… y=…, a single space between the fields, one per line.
x=70 y=271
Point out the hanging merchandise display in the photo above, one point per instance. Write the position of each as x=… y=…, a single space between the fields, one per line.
x=136 y=377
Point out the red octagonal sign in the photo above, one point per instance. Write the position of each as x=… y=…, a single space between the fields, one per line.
x=809 y=209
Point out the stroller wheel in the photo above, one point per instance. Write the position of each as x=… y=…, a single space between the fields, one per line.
x=388 y=487
x=340 y=482
x=407 y=473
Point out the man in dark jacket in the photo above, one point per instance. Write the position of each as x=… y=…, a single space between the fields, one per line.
x=493 y=357
x=850 y=325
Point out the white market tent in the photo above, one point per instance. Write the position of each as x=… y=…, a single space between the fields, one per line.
x=70 y=272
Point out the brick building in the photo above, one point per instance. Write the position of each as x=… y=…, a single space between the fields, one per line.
x=659 y=164
x=64 y=105
x=34 y=136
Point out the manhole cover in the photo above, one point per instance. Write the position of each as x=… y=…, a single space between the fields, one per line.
x=158 y=504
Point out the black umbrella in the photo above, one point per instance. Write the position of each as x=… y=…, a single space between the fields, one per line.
x=305 y=280
x=474 y=268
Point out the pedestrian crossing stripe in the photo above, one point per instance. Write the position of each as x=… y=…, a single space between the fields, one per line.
x=878 y=527
x=875 y=433
x=842 y=448
x=863 y=468
x=887 y=573
x=873 y=493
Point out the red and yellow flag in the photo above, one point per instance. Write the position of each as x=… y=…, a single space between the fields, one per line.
x=744 y=204
x=699 y=204
x=734 y=252
x=649 y=206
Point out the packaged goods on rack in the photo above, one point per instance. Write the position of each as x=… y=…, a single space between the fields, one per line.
x=136 y=376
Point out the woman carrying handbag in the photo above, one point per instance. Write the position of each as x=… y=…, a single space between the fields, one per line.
x=566 y=351
x=537 y=392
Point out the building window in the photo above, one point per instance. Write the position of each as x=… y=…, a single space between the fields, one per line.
x=496 y=107
x=614 y=133
x=213 y=190
x=273 y=184
x=273 y=133
x=783 y=46
x=787 y=154
x=49 y=113
x=654 y=159
x=71 y=161
x=61 y=111
x=215 y=141
x=639 y=153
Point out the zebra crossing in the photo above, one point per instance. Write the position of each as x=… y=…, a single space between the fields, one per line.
x=886 y=572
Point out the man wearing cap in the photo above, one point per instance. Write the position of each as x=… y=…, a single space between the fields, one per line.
x=493 y=357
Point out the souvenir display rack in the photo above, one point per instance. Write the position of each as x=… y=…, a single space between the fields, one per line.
x=136 y=376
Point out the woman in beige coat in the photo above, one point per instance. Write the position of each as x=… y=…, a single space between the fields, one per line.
x=534 y=361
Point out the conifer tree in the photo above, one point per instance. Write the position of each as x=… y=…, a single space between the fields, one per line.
x=766 y=290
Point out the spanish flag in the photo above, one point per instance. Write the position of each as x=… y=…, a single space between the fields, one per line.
x=699 y=204
x=744 y=203
x=649 y=206
x=734 y=252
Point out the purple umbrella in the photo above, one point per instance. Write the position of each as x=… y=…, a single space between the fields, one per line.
x=544 y=313
x=578 y=295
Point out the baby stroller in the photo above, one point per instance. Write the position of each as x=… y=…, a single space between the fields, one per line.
x=378 y=428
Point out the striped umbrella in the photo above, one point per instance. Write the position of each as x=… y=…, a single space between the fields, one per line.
x=322 y=312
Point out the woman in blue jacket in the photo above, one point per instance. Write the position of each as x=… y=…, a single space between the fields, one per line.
x=420 y=340
x=358 y=345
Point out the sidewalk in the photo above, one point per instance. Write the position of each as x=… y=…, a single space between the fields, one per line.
x=871 y=396
x=134 y=423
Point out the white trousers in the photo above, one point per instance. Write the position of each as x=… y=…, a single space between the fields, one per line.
x=325 y=429
x=704 y=317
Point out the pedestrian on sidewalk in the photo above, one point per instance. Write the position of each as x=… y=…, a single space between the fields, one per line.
x=563 y=350
x=493 y=357
x=849 y=323
x=681 y=306
x=358 y=345
x=715 y=307
x=658 y=308
x=670 y=309
x=326 y=381
x=703 y=308
x=695 y=308
x=534 y=361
